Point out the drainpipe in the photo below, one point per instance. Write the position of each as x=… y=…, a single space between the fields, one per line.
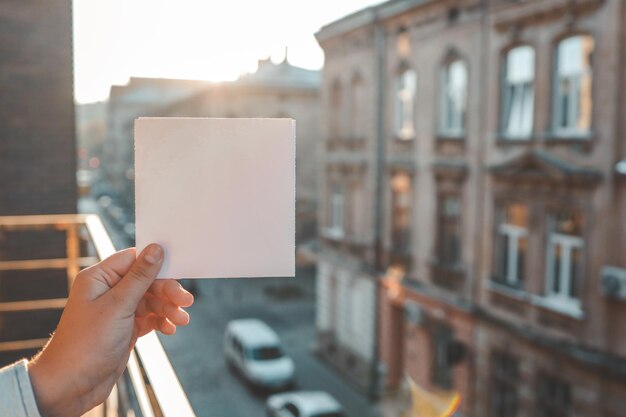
x=379 y=68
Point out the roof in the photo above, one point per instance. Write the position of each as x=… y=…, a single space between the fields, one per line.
x=284 y=74
x=154 y=90
x=253 y=332
x=309 y=402
x=367 y=16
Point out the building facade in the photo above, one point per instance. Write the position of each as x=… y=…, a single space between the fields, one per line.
x=492 y=221
x=37 y=159
x=37 y=139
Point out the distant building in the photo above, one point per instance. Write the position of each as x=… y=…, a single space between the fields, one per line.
x=472 y=186
x=140 y=97
x=274 y=90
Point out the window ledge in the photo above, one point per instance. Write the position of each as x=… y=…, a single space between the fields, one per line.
x=450 y=137
x=404 y=138
x=333 y=233
x=566 y=307
x=509 y=291
x=569 y=137
x=510 y=140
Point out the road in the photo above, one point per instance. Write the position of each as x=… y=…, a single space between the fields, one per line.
x=287 y=305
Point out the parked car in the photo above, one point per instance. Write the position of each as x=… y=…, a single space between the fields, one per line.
x=253 y=349
x=303 y=404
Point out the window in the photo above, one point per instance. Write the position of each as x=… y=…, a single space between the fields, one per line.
x=266 y=353
x=449 y=229
x=356 y=116
x=405 y=104
x=572 y=86
x=454 y=99
x=442 y=371
x=565 y=257
x=504 y=381
x=337 y=213
x=335 y=110
x=511 y=244
x=403 y=43
x=401 y=212
x=518 y=93
x=554 y=397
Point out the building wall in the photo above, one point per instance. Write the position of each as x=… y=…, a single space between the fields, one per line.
x=37 y=155
x=37 y=146
x=345 y=290
x=581 y=344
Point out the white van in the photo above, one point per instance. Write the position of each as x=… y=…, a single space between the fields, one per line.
x=254 y=349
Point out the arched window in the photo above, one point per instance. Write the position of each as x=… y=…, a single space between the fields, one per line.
x=572 y=86
x=453 y=98
x=406 y=87
x=518 y=92
x=356 y=114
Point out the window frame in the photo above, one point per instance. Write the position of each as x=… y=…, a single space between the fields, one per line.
x=336 y=99
x=401 y=204
x=570 y=133
x=552 y=404
x=445 y=131
x=562 y=299
x=501 y=380
x=505 y=95
x=356 y=111
x=442 y=337
x=401 y=108
x=336 y=211
x=513 y=234
x=443 y=222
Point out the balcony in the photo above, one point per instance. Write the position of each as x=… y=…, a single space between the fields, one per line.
x=149 y=386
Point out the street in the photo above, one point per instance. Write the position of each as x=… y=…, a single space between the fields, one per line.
x=287 y=305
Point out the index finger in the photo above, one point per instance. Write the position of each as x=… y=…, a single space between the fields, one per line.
x=173 y=291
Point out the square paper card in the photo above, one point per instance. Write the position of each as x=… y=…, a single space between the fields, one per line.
x=217 y=194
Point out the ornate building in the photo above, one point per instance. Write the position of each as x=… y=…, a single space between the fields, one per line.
x=483 y=202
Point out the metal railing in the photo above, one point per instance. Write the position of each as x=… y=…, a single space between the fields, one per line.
x=156 y=389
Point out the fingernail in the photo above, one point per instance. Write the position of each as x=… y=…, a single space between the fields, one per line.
x=154 y=254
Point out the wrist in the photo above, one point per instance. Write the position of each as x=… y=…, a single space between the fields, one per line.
x=53 y=396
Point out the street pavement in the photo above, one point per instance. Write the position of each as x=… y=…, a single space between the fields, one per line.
x=287 y=305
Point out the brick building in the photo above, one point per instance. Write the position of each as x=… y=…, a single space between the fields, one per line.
x=472 y=181
x=37 y=158
x=37 y=145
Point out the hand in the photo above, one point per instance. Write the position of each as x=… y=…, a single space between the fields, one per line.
x=110 y=306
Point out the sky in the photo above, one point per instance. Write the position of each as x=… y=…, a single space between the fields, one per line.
x=194 y=39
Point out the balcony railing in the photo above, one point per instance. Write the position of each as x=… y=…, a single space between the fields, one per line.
x=149 y=385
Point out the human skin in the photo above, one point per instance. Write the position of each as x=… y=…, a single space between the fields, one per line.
x=110 y=306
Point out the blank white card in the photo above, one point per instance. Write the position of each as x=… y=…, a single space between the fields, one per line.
x=217 y=194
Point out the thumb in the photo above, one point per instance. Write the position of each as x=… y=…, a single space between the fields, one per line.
x=132 y=287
